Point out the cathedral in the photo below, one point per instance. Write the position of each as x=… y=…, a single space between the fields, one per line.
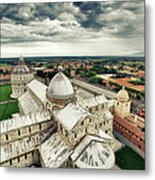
x=58 y=126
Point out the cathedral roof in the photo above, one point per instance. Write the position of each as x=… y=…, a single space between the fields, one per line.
x=23 y=121
x=54 y=151
x=93 y=152
x=21 y=68
x=60 y=85
x=71 y=115
x=92 y=102
x=122 y=95
x=38 y=89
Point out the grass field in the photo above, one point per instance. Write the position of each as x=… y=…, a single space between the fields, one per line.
x=6 y=110
x=5 y=91
x=3 y=64
x=126 y=158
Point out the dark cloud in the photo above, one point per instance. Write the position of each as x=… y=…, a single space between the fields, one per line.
x=59 y=21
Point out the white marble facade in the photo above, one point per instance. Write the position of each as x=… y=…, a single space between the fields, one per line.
x=20 y=77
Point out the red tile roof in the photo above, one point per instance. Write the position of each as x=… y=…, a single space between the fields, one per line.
x=5 y=77
x=129 y=126
x=125 y=82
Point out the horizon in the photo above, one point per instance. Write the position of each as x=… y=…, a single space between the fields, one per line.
x=86 y=56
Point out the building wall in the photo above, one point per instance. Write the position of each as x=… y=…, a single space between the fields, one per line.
x=90 y=125
x=23 y=160
x=125 y=130
x=122 y=108
x=18 y=82
x=24 y=132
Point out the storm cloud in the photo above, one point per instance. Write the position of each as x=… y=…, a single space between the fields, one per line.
x=81 y=22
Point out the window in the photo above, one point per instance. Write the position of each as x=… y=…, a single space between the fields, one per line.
x=18 y=132
x=82 y=123
x=25 y=156
x=75 y=135
x=117 y=103
x=7 y=138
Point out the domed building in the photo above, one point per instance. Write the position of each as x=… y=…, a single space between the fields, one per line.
x=72 y=132
x=20 y=77
x=60 y=90
x=123 y=95
x=122 y=103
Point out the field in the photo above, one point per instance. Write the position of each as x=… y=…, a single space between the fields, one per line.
x=6 y=110
x=126 y=158
x=5 y=91
x=3 y=64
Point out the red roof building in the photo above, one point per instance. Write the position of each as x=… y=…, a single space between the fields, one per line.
x=129 y=130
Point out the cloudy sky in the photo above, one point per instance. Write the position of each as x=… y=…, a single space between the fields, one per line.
x=70 y=29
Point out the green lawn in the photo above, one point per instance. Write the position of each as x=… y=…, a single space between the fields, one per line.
x=126 y=158
x=5 y=91
x=6 y=110
x=4 y=65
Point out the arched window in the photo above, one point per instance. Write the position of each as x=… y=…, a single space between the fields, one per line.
x=75 y=135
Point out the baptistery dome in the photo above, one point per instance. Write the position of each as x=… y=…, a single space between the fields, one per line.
x=20 y=77
x=21 y=68
x=60 y=89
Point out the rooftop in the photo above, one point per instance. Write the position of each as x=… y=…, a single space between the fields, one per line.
x=93 y=152
x=130 y=126
x=125 y=82
x=71 y=115
x=27 y=103
x=22 y=121
x=122 y=95
x=54 y=151
x=21 y=68
x=92 y=102
x=39 y=89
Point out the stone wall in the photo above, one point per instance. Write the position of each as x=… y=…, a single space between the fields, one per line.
x=17 y=134
x=23 y=160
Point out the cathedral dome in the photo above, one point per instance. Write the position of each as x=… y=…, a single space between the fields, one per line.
x=21 y=68
x=60 y=89
x=60 y=85
x=123 y=95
